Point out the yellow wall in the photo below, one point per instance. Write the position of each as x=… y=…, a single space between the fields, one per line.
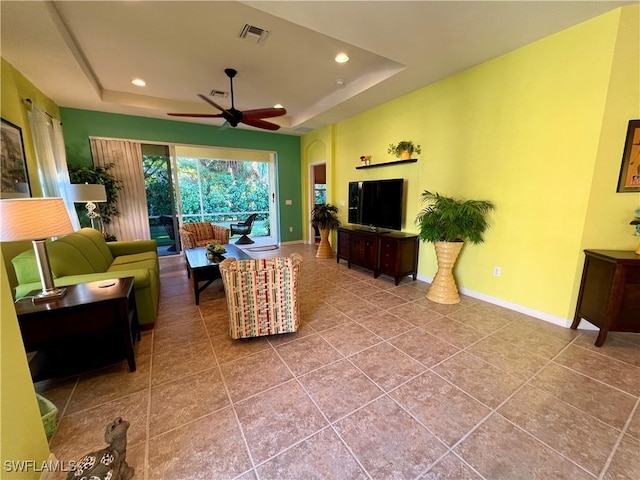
x=538 y=131
x=22 y=435
x=15 y=87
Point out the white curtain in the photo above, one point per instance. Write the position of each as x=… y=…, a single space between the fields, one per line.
x=133 y=221
x=51 y=159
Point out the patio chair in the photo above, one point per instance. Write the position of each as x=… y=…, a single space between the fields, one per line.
x=167 y=223
x=199 y=234
x=244 y=229
x=262 y=295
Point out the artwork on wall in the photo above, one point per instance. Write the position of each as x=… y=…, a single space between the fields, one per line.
x=14 y=178
x=629 y=180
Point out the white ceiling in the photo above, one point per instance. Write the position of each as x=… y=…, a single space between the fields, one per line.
x=84 y=54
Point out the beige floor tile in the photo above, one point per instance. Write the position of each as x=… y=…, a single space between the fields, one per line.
x=186 y=399
x=451 y=467
x=507 y=357
x=181 y=335
x=210 y=447
x=385 y=325
x=109 y=383
x=481 y=321
x=176 y=363
x=501 y=451
x=304 y=330
x=634 y=426
x=321 y=456
x=445 y=410
x=356 y=309
x=387 y=366
x=254 y=374
x=277 y=419
x=307 y=354
x=325 y=316
x=350 y=338
x=625 y=464
x=617 y=345
x=228 y=349
x=586 y=394
x=545 y=342
x=453 y=332
x=424 y=347
x=482 y=381
x=613 y=372
x=58 y=391
x=441 y=308
x=385 y=300
x=339 y=389
x=388 y=442
x=568 y=430
x=415 y=313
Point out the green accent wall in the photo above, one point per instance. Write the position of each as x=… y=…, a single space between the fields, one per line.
x=540 y=132
x=79 y=125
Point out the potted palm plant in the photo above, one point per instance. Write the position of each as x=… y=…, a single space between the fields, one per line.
x=403 y=149
x=324 y=217
x=447 y=223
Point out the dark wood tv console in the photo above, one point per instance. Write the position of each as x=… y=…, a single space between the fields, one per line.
x=387 y=252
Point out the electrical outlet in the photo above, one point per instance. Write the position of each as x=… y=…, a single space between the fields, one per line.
x=497 y=271
x=291 y=229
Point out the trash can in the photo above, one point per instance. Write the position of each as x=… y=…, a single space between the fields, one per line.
x=48 y=413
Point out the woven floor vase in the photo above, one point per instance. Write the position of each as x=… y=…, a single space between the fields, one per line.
x=444 y=288
x=324 y=249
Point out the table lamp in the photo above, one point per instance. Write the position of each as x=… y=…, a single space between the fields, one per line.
x=36 y=219
x=89 y=194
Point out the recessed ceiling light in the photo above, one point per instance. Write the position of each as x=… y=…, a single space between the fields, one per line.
x=138 y=82
x=342 y=58
x=277 y=105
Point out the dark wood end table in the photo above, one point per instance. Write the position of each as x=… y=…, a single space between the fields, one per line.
x=88 y=309
x=201 y=269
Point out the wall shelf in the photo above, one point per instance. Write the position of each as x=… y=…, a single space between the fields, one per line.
x=395 y=162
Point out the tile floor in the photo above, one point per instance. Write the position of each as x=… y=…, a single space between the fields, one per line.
x=377 y=383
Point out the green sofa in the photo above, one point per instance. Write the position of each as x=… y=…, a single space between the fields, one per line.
x=84 y=256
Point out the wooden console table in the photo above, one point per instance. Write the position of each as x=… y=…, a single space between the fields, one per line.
x=609 y=294
x=87 y=310
x=391 y=253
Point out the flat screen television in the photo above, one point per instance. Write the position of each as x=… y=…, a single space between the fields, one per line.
x=377 y=204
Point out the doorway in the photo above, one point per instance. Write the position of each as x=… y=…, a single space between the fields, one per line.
x=318 y=190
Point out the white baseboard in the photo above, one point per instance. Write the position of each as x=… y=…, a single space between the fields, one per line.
x=547 y=317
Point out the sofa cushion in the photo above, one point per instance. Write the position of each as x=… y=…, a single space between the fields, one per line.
x=26 y=268
x=130 y=267
x=134 y=258
x=66 y=259
x=91 y=244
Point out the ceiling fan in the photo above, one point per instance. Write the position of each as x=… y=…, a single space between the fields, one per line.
x=234 y=116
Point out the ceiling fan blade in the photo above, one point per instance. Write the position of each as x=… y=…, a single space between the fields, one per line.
x=211 y=102
x=203 y=115
x=254 y=122
x=264 y=113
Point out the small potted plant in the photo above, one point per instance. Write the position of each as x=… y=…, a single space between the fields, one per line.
x=215 y=251
x=404 y=149
x=447 y=223
x=324 y=217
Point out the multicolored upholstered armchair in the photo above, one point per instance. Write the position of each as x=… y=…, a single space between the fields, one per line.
x=262 y=295
x=198 y=234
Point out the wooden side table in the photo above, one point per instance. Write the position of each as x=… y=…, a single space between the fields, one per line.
x=609 y=294
x=88 y=309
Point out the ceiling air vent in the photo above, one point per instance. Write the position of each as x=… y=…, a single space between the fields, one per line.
x=219 y=93
x=304 y=129
x=254 y=34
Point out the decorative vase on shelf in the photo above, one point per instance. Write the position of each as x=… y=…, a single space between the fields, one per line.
x=405 y=155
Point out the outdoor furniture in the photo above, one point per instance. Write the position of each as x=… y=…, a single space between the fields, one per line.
x=244 y=229
x=167 y=223
x=262 y=295
x=199 y=234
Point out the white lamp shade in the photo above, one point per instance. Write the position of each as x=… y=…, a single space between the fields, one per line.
x=33 y=219
x=86 y=192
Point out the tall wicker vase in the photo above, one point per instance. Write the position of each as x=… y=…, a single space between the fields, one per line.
x=444 y=288
x=324 y=249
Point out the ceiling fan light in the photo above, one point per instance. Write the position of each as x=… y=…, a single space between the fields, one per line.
x=138 y=82
x=342 y=58
x=277 y=105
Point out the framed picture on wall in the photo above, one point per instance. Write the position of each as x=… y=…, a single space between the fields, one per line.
x=14 y=178
x=629 y=180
